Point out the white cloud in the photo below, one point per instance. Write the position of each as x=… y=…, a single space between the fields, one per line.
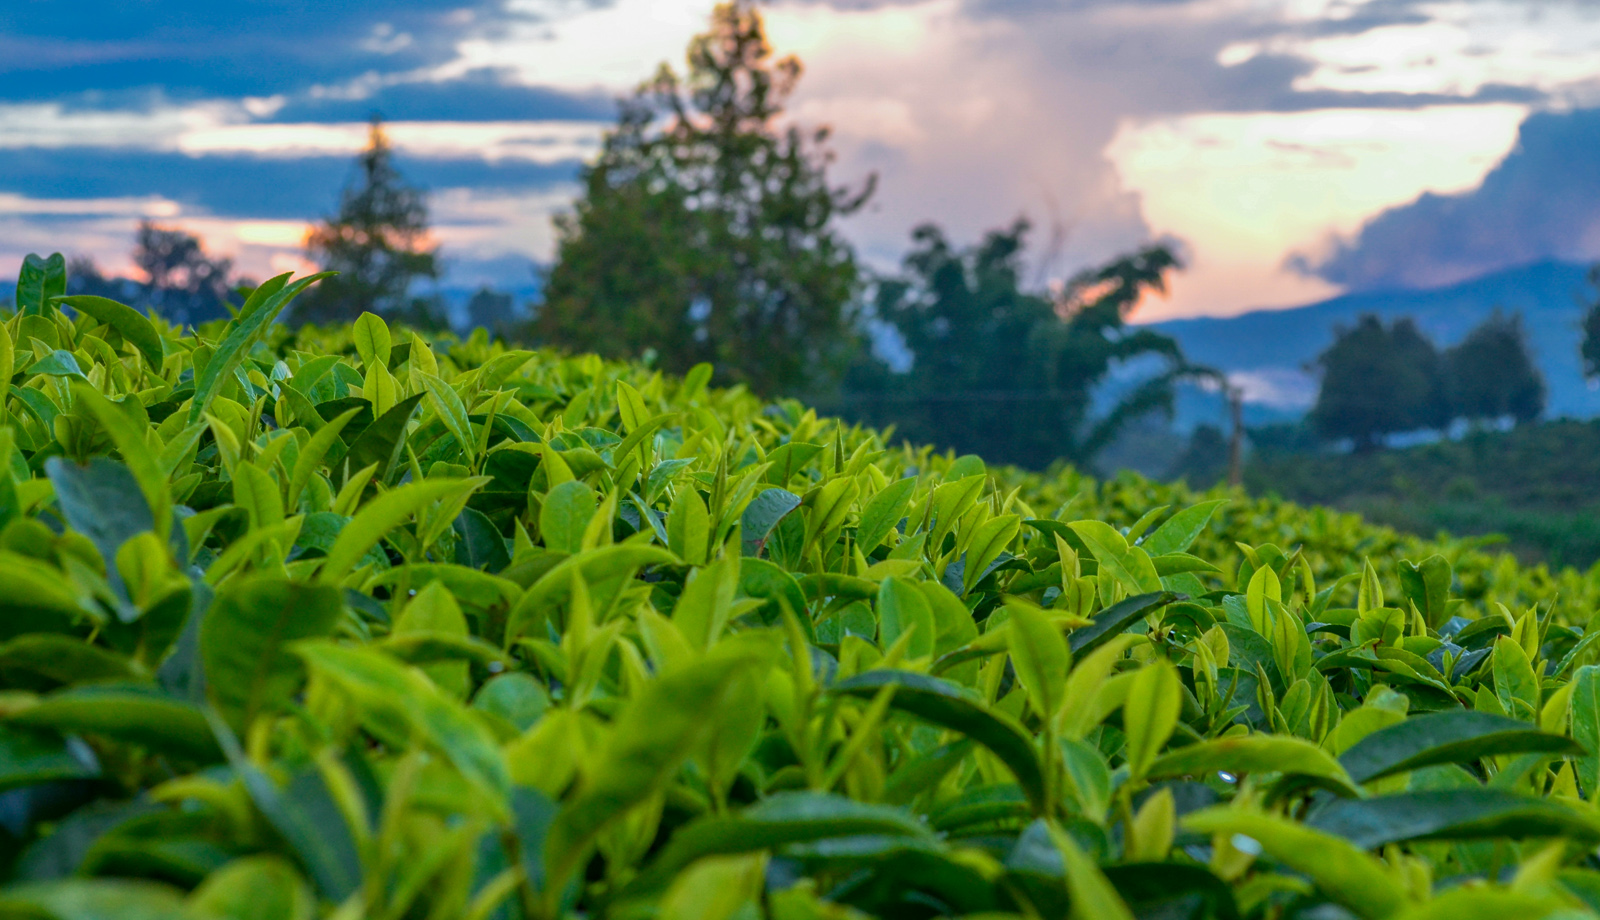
x=583 y=46
x=224 y=128
x=155 y=208
x=534 y=141
x=1246 y=190
x=482 y=225
x=385 y=39
x=51 y=125
x=1285 y=388
x=1460 y=49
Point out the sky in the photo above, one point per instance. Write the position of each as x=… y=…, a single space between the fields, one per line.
x=1291 y=149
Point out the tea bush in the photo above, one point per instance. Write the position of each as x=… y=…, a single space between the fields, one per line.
x=353 y=623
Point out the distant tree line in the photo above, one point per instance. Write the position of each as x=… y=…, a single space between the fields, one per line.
x=707 y=231
x=181 y=281
x=1379 y=380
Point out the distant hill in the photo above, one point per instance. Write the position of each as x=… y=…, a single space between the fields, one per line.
x=1273 y=346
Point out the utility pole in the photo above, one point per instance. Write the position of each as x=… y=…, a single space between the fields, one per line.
x=1235 y=397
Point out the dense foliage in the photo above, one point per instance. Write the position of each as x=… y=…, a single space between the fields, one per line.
x=1379 y=380
x=706 y=230
x=354 y=623
x=1006 y=371
x=1538 y=485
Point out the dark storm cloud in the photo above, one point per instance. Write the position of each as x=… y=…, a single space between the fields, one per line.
x=480 y=95
x=1265 y=83
x=1542 y=202
x=205 y=48
x=243 y=186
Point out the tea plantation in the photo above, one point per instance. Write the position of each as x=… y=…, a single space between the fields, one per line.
x=351 y=623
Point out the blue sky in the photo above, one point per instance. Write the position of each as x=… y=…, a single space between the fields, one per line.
x=1296 y=148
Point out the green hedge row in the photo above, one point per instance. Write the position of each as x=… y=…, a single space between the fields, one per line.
x=358 y=624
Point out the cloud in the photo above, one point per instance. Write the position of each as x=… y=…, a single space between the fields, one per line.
x=971 y=111
x=1242 y=186
x=490 y=217
x=1276 y=387
x=1017 y=105
x=975 y=111
x=1541 y=202
x=244 y=186
x=485 y=94
x=203 y=48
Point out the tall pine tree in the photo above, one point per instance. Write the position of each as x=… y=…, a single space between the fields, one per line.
x=378 y=243
x=706 y=230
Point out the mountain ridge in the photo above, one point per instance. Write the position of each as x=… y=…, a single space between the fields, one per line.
x=1271 y=349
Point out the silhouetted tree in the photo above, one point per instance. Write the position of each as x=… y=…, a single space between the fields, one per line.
x=85 y=277
x=1378 y=381
x=378 y=243
x=1590 y=349
x=705 y=231
x=1492 y=375
x=181 y=283
x=1431 y=407
x=1009 y=372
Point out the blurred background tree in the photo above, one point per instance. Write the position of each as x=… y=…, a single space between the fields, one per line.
x=181 y=283
x=705 y=230
x=1491 y=373
x=1009 y=372
x=1589 y=349
x=378 y=243
x=1378 y=380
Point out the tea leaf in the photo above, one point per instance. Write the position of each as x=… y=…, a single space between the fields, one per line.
x=402 y=695
x=1451 y=814
x=1446 y=737
x=883 y=512
x=382 y=515
x=943 y=704
x=258 y=312
x=244 y=643
x=1180 y=531
x=1253 y=754
x=1151 y=713
x=650 y=738
x=129 y=714
x=1040 y=657
x=1340 y=870
x=130 y=323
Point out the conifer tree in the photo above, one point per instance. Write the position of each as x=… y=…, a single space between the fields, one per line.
x=705 y=231
x=378 y=243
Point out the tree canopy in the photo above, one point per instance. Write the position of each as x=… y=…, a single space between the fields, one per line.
x=1011 y=371
x=706 y=231
x=1379 y=380
x=181 y=281
x=1589 y=349
x=1492 y=375
x=377 y=242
